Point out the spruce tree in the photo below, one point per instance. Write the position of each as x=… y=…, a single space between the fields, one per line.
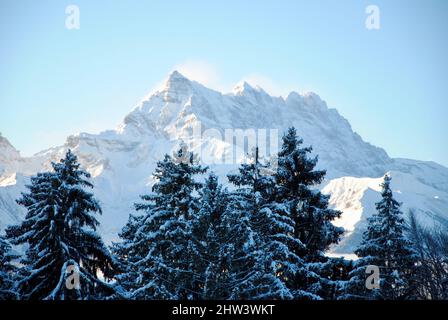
x=230 y=260
x=246 y=271
x=209 y=234
x=60 y=230
x=334 y=274
x=296 y=182
x=270 y=226
x=384 y=245
x=158 y=248
x=7 y=271
x=126 y=254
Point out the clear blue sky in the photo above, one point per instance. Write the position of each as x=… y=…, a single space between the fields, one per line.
x=391 y=84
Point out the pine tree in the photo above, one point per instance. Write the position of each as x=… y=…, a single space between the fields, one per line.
x=7 y=271
x=384 y=245
x=126 y=254
x=269 y=225
x=308 y=208
x=334 y=274
x=247 y=275
x=158 y=248
x=208 y=235
x=229 y=262
x=60 y=230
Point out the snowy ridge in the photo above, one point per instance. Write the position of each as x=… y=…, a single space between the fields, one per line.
x=356 y=197
x=9 y=157
x=121 y=161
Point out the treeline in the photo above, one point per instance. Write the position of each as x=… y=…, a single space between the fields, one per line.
x=264 y=239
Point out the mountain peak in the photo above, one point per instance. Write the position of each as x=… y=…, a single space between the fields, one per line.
x=177 y=82
x=307 y=99
x=244 y=87
x=176 y=75
x=6 y=145
x=8 y=155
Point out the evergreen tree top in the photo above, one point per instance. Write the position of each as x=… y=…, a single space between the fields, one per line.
x=69 y=170
x=296 y=169
x=388 y=206
x=290 y=141
x=211 y=185
x=386 y=191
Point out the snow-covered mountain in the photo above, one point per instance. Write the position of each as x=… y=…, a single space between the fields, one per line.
x=121 y=161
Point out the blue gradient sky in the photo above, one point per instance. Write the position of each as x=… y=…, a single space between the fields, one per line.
x=391 y=84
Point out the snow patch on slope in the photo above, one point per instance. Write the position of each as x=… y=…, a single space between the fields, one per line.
x=356 y=198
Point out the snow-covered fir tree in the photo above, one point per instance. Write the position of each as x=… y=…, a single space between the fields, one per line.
x=271 y=224
x=64 y=252
x=384 y=245
x=158 y=248
x=209 y=234
x=334 y=274
x=246 y=275
x=296 y=182
x=7 y=271
x=231 y=261
x=126 y=254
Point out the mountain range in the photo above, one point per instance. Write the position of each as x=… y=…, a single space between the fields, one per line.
x=121 y=161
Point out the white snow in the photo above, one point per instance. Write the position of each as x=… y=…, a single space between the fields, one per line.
x=121 y=161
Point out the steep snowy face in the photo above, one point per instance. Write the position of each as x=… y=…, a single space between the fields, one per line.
x=182 y=104
x=9 y=158
x=10 y=188
x=122 y=161
x=10 y=183
x=426 y=172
